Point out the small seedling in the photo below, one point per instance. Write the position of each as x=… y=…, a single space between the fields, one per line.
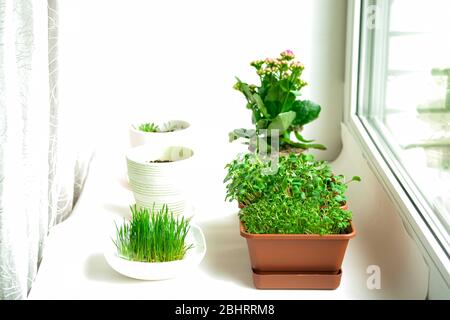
x=149 y=127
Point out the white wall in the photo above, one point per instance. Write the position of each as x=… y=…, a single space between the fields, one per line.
x=127 y=59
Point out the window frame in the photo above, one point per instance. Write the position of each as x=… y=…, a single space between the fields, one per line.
x=375 y=98
x=415 y=213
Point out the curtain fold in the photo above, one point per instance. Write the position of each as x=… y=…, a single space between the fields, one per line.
x=41 y=171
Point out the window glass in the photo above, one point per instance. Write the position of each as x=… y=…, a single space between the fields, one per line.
x=404 y=97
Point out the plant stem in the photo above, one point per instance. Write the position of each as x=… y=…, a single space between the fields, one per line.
x=303 y=146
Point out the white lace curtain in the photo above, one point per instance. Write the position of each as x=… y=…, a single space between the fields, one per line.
x=42 y=165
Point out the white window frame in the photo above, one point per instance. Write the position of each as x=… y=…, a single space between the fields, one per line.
x=411 y=210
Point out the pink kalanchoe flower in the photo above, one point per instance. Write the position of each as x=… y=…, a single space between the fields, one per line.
x=288 y=53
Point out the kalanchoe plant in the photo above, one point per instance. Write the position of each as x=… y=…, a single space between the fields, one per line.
x=275 y=103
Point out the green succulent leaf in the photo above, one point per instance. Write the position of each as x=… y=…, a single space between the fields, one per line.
x=260 y=105
x=262 y=124
x=306 y=111
x=288 y=102
x=282 y=122
x=244 y=88
x=285 y=85
x=274 y=98
x=241 y=133
x=273 y=108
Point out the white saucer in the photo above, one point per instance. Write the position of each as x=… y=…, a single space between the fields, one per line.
x=160 y=270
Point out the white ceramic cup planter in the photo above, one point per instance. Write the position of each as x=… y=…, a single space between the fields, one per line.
x=155 y=184
x=174 y=132
x=160 y=270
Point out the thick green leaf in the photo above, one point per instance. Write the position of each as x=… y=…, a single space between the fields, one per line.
x=273 y=108
x=241 y=133
x=260 y=105
x=256 y=116
x=306 y=111
x=282 y=122
x=285 y=85
x=274 y=100
x=244 y=88
x=275 y=93
x=268 y=80
x=262 y=124
x=288 y=102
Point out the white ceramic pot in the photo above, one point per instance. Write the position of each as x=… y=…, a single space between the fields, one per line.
x=165 y=182
x=160 y=270
x=175 y=132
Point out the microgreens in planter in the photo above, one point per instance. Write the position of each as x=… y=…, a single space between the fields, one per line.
x=303 y=197
x=296 y=221
x=298 y=176
x=287 y=215
x=276 y=105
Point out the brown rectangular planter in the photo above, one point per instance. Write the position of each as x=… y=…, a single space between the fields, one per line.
x=297 y=252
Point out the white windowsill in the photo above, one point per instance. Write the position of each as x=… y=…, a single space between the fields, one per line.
x=74 y=268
